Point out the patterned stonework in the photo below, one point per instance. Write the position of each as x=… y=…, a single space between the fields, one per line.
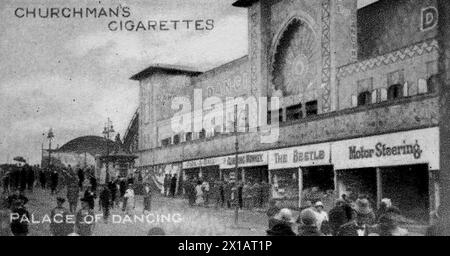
x=326 y=56
x=390 y=58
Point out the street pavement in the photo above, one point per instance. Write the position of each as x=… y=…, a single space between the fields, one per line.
x=174 y=216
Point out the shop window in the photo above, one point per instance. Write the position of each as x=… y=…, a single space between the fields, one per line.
x=432 y=83
x=176 y=139
x=188 y=136
x=364 y=98
x=294 y=112
x=311 y=108
x=202 y=134
x=395 y=92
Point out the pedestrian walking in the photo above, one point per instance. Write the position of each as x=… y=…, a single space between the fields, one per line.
x=42 y=178
x=199 y=201
x=339 y=215
x=308 y=225
x=23 y=177
x=93 y=183
x=80 y=174
x=19 y=225
x=166 y=185
x=90 y=196
x=30 y=178
x=247 y=196
x=130 y=200
x=6 y=182
x=322 y=218
x=73 y=193
x=147 y=198
x=54 y=179
x=113 y=189
x=362 y=220
x=105 y=202
x=284 y=225
x=274 y=209
x=206 y=189
x=60 y=221
x=85 y=219
x=173 y=185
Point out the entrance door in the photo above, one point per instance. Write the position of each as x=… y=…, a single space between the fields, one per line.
x=408 y=188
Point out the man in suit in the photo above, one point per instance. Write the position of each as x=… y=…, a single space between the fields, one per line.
x=363 y=218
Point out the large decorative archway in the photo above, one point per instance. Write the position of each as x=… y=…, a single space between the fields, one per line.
x=295 y=60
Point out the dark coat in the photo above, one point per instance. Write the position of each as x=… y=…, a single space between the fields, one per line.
x=281 y=229
x=309 y=231
x=351 y=229
x=18 y=227
x=90 y=196
x=337 y=217
x=105 y=198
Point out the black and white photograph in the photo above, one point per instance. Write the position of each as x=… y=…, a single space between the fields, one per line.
x=225 y=118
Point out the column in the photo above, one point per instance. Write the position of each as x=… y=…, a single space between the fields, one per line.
x=379 y=187
x=300 y=187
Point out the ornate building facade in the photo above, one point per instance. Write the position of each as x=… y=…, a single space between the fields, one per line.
x=359 y=105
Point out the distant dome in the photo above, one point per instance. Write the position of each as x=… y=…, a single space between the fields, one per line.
x=94 y=145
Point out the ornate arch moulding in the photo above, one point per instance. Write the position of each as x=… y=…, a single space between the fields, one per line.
x=299 y=16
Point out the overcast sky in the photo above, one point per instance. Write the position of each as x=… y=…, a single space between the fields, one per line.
x=72 y=74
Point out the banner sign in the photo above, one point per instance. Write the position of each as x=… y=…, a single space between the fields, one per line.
x=203 y=162
x=312 y=155
x=246 y=160
x=405 y=148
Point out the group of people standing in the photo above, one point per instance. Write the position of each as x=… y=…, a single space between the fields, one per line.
x=227 y=194
x=345 y=219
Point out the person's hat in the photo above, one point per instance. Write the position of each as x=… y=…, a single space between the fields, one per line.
x=285 y=215
x=318 y=204
x=308 y=217
x=60 y=200
x=387 y=202
x=362 y=206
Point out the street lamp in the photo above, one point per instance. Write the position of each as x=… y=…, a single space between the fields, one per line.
x=107 y=130
x=50 y=137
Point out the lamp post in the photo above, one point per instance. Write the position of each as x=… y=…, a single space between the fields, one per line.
x=107 y=130
x=50 y=137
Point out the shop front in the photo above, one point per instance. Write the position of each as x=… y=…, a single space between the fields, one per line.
x=400 y=166
x=252 y=168
x=204 y=169
x=158 y=173
x=301 y=174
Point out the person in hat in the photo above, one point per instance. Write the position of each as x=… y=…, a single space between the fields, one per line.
x=147 y=198
x=308 y=223
x=105 y=202
x=85 y=219
x=384 y=205
x=89 y=195
x=60 y=219
x=284 y=226
x=129 y=199
x=19 y=225
x=73 y=193
x=362 y=219
x=322 y=216
x=389 y=224
x=339 y=215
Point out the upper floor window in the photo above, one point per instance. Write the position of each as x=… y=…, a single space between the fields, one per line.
x=395 y=92
x=311 y=108
x=166 y=142
x=364 y=98
x=294 y=112
x=189 y=136
x=176 y=139
x=202 y=134
x=432 y=83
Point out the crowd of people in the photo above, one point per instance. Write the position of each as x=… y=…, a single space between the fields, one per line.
x=81 y=186
x=225 y=194
x=346 y=218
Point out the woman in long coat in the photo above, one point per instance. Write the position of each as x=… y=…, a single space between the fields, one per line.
x=147 y=198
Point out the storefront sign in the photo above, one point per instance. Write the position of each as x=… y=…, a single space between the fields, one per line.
x=203 y=162
x=247 y=160
x=406 y=148
x=312 y=155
